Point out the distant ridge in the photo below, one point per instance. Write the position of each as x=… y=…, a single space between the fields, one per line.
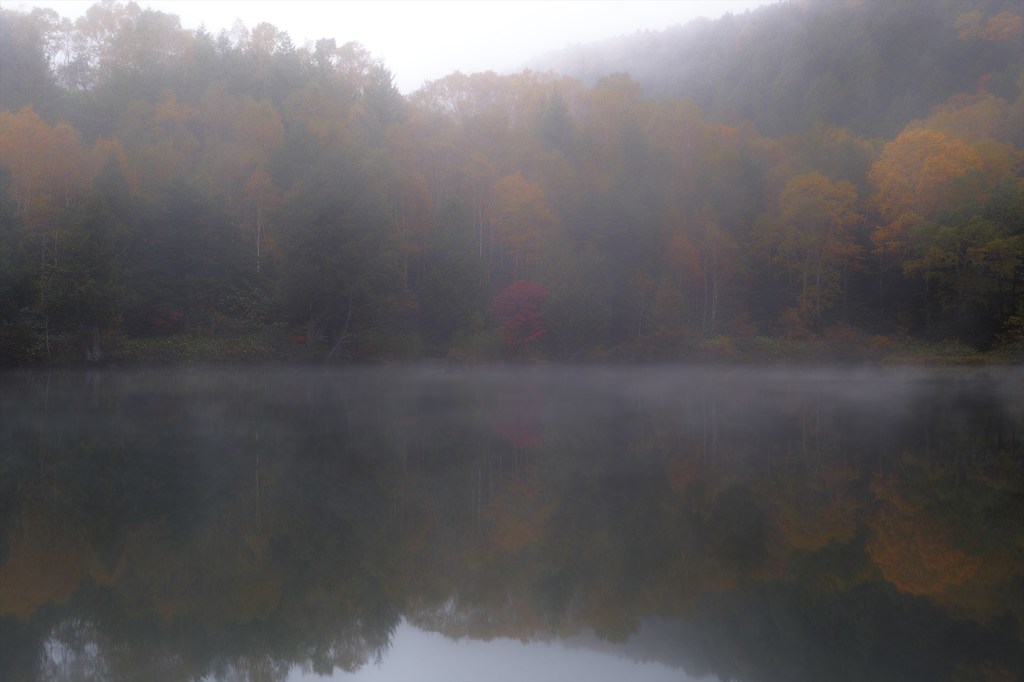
x=862 y=64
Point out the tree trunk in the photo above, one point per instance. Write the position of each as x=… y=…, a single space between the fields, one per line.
x=93 y=351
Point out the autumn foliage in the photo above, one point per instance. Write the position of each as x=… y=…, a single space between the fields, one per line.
x=518 y=309
x=262 y=188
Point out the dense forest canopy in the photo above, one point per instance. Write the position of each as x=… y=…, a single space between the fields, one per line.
x=849 y=173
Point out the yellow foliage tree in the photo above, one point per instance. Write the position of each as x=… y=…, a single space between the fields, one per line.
x=47 y=164
x=521 y=219
x=813 y=239
x=913 y=179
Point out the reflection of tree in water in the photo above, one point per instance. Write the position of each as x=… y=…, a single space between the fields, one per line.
x=517 y=418
x=911 y=548
x=758 y=515
x=818 y=508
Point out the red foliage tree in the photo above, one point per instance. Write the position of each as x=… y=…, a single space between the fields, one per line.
x=518 y=310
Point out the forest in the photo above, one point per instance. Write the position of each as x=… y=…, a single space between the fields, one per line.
x=833 y=180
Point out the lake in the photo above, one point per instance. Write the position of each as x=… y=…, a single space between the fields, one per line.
x=655 y=523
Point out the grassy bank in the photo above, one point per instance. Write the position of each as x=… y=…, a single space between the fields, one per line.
x=279 y=347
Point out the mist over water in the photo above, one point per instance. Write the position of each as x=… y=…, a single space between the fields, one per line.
x=714 y=522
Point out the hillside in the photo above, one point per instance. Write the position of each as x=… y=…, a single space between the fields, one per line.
x=171 y=195
x=871 y=67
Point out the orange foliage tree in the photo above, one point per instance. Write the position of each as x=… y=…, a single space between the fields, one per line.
x=910 y=547
x=913 y=179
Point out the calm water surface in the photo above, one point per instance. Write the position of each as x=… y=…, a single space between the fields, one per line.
x=663 y=523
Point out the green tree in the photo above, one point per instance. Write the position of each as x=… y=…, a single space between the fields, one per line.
x=184 y=258
x=338 y=277
x=85 y=283
x=449 y=293
x=17 y=286
x=577 y=309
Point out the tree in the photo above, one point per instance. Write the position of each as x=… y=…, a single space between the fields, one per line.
x=518 y=308
x=47 y=167
x=16 y=279
x=263 y=200
x=85 y=285
x=448 y=291
x=913 y=179
x=707 y=265
x=837 y=153
x=970 y=258
x=555 y=127
x=264 y=41
x=973 y=118
x=184 y=256
x=949 y=221
x=26 y=78
x=337 y=271
x=381 y=104
x=521 y=220
x=46 y=164
x=577 y=309
x=813 y=241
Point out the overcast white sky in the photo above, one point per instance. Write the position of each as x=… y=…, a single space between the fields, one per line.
x=428 y=39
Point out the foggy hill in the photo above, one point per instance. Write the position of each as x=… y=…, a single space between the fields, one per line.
x=865 y=65
x=167 y=193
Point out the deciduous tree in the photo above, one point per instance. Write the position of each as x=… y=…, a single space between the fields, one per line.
x=519 y=311
x=521 y=220
x=913 y=179
x=813 y=240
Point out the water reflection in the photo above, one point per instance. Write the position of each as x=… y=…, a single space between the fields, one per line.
x=729 y=523
x=416 y=654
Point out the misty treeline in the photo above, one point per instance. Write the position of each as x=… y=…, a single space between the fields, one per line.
x=867 y=66
x=160 y=184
